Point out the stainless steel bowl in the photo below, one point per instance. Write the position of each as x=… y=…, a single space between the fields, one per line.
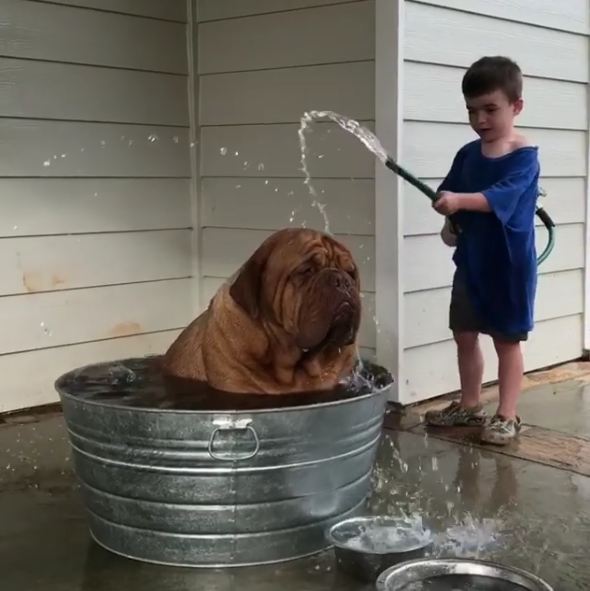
x=363 y=550
x=454 y=573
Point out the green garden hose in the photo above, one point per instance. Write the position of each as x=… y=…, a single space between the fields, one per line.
x=431 y=194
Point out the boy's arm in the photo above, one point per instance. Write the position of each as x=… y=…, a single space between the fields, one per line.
x=449 y=203
x=501 y=198
x=448 y=236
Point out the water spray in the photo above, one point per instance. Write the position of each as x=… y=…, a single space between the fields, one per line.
x=371 y=141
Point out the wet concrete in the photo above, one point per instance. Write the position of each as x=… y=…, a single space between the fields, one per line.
x=479 y=502
x=564 y=407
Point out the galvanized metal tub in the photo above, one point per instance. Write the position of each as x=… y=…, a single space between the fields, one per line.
x=210 y=488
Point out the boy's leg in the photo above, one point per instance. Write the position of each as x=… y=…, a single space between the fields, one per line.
x=505 y=425
x=471 y=365
x=468 y=411
x=510 y=372
x=465 y=326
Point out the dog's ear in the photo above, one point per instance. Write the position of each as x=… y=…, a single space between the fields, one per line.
x=246 y=290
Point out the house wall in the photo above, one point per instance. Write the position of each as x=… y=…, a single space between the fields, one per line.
x=95 y=238
x=261 y=65
x=550 y=42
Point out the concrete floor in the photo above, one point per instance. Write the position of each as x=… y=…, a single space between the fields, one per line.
x=481 y=502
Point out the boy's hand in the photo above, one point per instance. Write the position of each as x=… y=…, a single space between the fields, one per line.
x=447 y=203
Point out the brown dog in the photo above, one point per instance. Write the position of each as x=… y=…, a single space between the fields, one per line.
x=287 y=323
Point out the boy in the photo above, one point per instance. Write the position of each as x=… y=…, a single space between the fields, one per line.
x=490 y=194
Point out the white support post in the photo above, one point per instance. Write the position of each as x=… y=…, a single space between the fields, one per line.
x=586 y=316
x=194 y=133
x=586 y=340
x=388 y=189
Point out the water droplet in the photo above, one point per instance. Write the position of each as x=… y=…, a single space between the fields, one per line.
x=266 y=182
x=130 y=143
x=261 y=167
x=320 y=156
x=153 y=138
x=245 y=164
x=82 y=149
x=96 y=194
x=175 y=139
x=238 y=186
x=47 y=163
x=434 y=463
x=276 y=189
x=103 y=143
x=223 y=151
x=55 y=156
x=63 y=155
x=15 y=228
x=192 y=144
x=291 y=193
x=237 y=154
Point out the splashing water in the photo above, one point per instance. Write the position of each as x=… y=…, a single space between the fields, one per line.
x=397 y=536
x=45 y=329
x=367 y=137
x=468 y=537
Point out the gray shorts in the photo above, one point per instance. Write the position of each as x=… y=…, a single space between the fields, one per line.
x=464 y=318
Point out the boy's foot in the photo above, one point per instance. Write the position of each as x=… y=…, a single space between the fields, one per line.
x=500 y=431
x=456 y=415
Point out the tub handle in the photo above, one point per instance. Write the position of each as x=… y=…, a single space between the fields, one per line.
x=229 y=456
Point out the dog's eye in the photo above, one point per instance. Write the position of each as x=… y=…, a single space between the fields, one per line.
x=305 y=271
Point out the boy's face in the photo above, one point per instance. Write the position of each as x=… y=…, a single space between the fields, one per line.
x=492 y=115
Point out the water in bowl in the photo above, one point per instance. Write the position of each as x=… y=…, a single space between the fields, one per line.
x=384 y=536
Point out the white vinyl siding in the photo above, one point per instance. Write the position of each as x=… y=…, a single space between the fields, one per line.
x=94 y=176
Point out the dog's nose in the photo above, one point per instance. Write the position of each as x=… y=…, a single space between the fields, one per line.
x=340 y=281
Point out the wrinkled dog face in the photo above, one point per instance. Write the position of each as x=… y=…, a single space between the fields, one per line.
x=308 y=285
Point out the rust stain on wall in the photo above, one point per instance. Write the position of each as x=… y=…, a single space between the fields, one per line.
x=125 y=328
x=33 y=282
x=57 y=280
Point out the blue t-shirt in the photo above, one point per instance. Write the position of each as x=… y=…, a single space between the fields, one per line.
x=496 y=251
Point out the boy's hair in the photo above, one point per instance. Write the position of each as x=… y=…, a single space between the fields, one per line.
x=489 y=74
